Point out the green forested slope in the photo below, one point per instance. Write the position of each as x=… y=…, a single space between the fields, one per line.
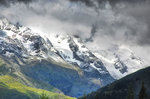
x=130 y=87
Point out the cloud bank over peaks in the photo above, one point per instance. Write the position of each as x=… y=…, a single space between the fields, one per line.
x=100 y=24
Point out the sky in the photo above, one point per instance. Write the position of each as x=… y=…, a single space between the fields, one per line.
x=100 y=24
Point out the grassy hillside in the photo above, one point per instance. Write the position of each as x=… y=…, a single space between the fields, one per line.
x=48 y=75
x=68 y=80
x=3 y=69
x=15 y=85
x=129 y=86
x=10 y=88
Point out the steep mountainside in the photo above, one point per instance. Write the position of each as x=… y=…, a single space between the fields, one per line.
x=15 y=85
x=134 y=85
x=61 y=61
x=73 y=51
x=119 y=60
x=35 y=57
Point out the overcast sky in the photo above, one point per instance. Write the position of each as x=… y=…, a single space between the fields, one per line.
x=100 y=24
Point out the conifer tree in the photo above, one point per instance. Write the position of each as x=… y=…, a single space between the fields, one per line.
x=142 y=93
x=130 y=93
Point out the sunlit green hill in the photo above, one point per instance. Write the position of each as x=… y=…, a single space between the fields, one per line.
x=10 y=88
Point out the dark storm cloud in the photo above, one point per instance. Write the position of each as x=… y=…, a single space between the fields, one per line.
x=87 y=2
x=99 y=18
x=138 y=9
x=144 y=15
x=93 y=32
x=99 y=3
x=141 y=12
x=7 y=2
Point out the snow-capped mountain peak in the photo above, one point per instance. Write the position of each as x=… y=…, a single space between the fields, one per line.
x=106 y=65
x=120 y=60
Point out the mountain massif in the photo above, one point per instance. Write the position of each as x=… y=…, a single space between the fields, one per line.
x=61 y=64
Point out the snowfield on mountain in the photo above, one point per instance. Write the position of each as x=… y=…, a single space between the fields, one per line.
x=63 y=61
